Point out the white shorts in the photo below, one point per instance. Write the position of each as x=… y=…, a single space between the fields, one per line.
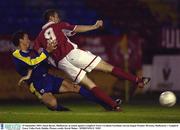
x=77 y=63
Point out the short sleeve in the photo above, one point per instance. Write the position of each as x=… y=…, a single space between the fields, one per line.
x=68 y=29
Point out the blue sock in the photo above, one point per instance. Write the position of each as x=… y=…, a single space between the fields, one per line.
x=58 y=108
x=62 y=108
x=90 y=96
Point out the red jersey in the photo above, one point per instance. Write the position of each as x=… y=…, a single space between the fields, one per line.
x=59 y=32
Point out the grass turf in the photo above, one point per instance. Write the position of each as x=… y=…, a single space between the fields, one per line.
x=88 y=113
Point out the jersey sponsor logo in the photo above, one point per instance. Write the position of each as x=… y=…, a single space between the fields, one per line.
x=42 y=91
x=166 y=73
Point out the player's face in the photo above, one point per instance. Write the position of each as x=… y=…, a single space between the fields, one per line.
x=25 y=42
x=56 y=18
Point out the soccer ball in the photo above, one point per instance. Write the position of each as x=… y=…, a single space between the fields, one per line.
x=167 y=99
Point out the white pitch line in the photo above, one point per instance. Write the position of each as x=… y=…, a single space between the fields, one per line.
x=85 y=114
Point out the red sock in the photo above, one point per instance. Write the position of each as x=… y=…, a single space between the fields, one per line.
x=103 y=97
x=122 y=74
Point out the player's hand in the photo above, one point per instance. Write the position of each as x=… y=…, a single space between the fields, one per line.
x=98 y=24
x=51 y=46
x=22 y=80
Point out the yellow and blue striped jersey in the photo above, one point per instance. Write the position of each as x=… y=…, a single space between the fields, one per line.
x=31 y=60
x=27 y=59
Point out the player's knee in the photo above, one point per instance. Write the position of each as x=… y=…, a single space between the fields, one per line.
x=70 y=87
x=88 y=82
x=76 y=88
x=104 y=66
x=52 y=103
x=107 y=67
x=73 y=88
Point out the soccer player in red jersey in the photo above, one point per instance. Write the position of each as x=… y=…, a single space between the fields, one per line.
x=74 y=61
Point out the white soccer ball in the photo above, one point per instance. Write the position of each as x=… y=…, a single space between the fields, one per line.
x=167 y=99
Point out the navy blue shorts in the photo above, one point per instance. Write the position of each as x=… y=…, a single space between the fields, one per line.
x=48 y=83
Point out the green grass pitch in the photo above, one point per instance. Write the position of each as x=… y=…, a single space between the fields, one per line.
x=85 y=112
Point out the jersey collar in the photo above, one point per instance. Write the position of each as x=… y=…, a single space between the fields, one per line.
x=25 y=53
x=47 y=24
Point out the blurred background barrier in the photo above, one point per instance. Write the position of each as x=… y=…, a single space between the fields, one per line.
x=170 y=38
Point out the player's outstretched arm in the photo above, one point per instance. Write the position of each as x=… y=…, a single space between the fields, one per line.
x=86 y=28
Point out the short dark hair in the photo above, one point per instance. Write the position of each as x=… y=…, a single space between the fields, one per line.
x=17 y=36
x=48 y=13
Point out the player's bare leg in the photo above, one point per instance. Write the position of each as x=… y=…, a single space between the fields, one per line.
x=50 y=101
x=106 y=67
x=100 y=94
x=88 y=82
x=68 y=86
